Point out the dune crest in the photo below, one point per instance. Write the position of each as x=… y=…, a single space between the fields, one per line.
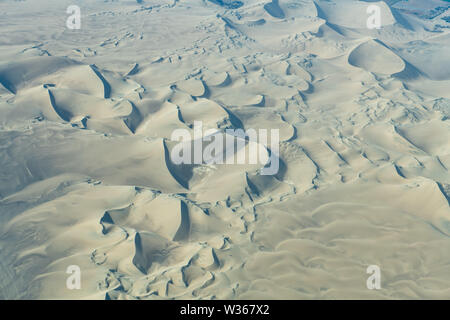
x=90 y=170
x=374 y=56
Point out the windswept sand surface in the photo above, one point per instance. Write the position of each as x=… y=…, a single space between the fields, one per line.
x=86 y=176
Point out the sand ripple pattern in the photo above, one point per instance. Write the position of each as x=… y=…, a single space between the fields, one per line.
x=86 y=176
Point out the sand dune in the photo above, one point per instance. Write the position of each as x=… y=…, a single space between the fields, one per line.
x=273 y=8
x=375 y=57
x=351 y=13
x=87 y=176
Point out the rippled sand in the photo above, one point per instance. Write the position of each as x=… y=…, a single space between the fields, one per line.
x=86 y=176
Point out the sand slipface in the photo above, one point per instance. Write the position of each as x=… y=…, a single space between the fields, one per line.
x=375 y=57
x=89 y=182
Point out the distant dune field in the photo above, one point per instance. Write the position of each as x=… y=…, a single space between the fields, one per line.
x=89 y=181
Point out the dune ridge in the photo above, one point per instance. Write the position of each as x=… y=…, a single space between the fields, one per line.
x=87 y=178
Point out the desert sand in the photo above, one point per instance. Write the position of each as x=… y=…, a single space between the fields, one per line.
x=86 y=176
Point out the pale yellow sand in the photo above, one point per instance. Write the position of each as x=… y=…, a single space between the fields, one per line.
x=86 y=176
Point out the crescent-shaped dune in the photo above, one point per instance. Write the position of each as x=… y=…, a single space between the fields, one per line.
x=374 y=56
x=224 y=149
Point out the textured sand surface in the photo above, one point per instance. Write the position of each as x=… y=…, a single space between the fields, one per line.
x=86 y=176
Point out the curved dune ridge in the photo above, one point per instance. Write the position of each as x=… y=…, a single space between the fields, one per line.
x=273 y=8
x=353 y=13
x=89 y=173
x=425 y=56
x=330 y=219
x=375 y=57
